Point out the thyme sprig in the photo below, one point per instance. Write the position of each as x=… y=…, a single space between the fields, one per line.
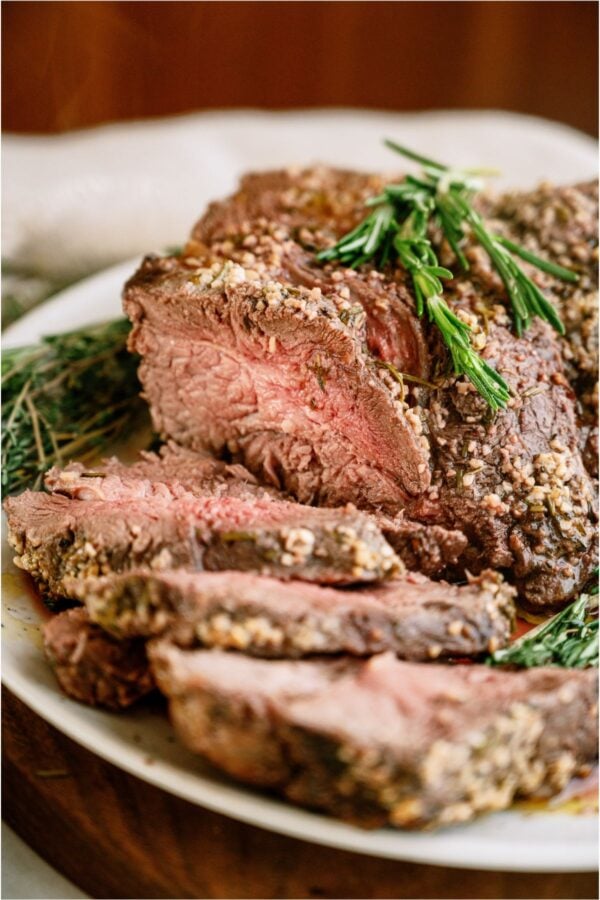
x=397 y=228
x=569 y=639
x=71 y=395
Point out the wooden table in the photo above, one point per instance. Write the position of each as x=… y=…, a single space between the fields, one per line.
x=115 y=836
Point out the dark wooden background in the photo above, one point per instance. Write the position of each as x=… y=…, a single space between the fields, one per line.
x=68 y=65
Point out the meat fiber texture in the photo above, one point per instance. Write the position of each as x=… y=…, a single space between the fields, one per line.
x=177 y=473
x=92 y=667
x=415 y=618
x=57 y=538
x=174 y=473
x=382 y=741
x=323 y=382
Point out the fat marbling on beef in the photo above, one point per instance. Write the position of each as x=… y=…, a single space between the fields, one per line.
x=322 y=381
x=383 y=741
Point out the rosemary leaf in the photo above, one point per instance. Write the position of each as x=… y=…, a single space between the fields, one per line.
x=569 y=639
x=544 y=265
x=416 y=157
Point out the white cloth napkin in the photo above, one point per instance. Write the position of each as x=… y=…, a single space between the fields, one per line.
x=75 y=203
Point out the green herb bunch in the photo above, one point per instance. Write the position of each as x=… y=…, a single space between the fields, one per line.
x=569 y=639
x=72 y=394
x=397 y=231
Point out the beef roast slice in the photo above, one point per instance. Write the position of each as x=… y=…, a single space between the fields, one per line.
x=93 y=667
x=174 y=473
x=383 y=741
x=514 y=483
x=416 y=618
x=179 y=474
x=278 y=377
x=58 y=538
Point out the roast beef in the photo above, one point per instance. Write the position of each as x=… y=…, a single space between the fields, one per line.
x=179 y=473
x=93 y=667
x=562 y=224
x=174 y=473
x=277 y=376
x=58 y=538
x=382 y=741
x=336 y=392
x=416 y=618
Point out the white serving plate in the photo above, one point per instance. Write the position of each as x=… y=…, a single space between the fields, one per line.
x=142 y=743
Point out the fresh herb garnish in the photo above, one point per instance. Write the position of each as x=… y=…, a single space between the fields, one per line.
x=70 y=395
x=397 y=228
x=569 y=639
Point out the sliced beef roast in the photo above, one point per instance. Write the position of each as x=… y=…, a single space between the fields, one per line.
x=277 y=376
x=179 y=474
x=337 y=392
x=416 y=618
x=175 y=473
x=383 y=741
x=57 y=538
x=93 y=667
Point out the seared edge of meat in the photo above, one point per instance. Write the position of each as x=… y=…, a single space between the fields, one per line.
x=93 y=667
x=415 y=618
x=58 y=538
x=382 y=741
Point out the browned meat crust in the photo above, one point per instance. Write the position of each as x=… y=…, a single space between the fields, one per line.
x=415 y=618
x=248 y=301
x=562 y=223
x=93 y=667
x=382 y=741
x=57 y=538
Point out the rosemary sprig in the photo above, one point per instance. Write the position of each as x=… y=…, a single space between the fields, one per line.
x=525 y=296
x=70 y=395
x=417 y=256
x=490 y=384
x=568 y=639
x=399 y=225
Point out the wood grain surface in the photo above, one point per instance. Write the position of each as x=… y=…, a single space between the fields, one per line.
x=67 y=65
x=115 y=836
